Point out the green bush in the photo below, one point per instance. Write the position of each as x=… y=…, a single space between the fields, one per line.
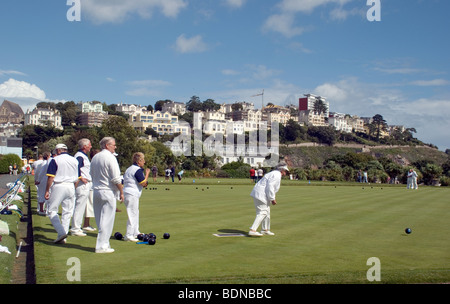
x=7 y=160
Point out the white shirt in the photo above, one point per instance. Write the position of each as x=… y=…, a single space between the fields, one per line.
x=85 y=165
x=105 y=171
x=64 y=168
x=132 y=180
x=266 y=189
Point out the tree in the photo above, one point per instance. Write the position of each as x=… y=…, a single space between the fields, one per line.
x=210 y=105
x=326 y=135
x=237 y=106
x=380 y=125
x=159 y=104
x=320 y=107
x=194 y=104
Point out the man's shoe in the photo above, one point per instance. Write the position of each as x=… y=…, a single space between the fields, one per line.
x=254 y=233
x=107 y=250
x=78 y=233
x=89 y=228
x=60 y=239
x=267 y=232
x=130 y=239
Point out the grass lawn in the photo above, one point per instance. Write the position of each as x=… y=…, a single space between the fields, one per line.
x=324 y=233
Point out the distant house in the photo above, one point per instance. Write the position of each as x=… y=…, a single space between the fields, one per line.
x=11 y=112
x=44 y=117
x=92 y=114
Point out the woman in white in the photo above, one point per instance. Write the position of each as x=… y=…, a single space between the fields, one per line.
x=263 y=194
x=133 y=182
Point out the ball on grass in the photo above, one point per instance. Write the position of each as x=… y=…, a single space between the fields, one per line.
x=408 y=230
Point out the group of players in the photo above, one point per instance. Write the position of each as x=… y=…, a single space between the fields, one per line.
x=85 y=188
x=82 y=187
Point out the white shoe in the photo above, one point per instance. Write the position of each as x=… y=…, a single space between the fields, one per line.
x=78 y=233
x=61 y=239
x=130 y=239
x=107 y=250
x=89 y=228
x=267 y=232
x=254 y=233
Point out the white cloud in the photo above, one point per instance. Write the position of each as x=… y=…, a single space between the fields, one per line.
x=331 y=91
x=428 y=115
x=190 y=45
x=147 y=87
x=230 y=72
x=116 y=11
x=16 y=88
x=307 y=6
x=235 y=3
x=283 y=24
x=150 y=83
x=11 y=72
x=25 y=94
x=404 y=71
x=434 y=82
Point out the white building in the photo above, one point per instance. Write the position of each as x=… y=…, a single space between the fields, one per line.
x=307 y=103
x=43 y=117
x=310 y=118
x=340 y=122
x=173 y=107
x=163 y=123
x=130 y=109
x=90 y=107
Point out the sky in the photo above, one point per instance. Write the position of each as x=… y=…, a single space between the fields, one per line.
x=387 y=57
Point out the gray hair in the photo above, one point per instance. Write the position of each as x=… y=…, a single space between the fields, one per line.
x=83 y=142
x=105 y=141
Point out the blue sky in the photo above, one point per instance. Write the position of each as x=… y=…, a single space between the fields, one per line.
x=141 y=51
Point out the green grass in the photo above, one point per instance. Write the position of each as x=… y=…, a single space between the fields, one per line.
x=325 y=233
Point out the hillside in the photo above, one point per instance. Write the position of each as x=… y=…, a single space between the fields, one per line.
x=314 y=155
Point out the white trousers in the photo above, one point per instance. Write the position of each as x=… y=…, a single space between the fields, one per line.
x=82 y=197
x=90 y=205
x=105 y=213
x=262 y=215
x=41 y=191
x=132 y=204
x=61 y=194
x=414 y=183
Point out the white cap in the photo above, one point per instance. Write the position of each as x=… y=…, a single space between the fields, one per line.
x=61 y=146
x=285 y=168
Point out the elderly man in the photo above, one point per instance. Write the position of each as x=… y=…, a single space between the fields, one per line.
x=106 y=182
x=263 y=194
x=62 y=174
x=40 y=177
x=84 y=186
